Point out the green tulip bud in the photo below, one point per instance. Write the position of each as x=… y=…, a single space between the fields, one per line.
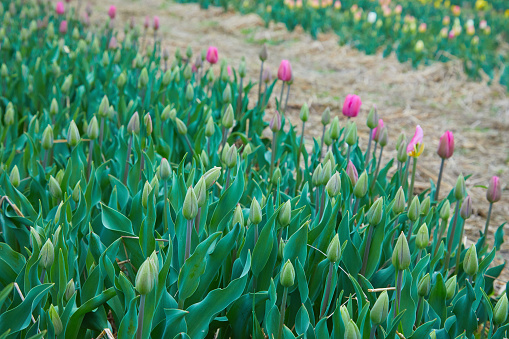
x=326 y=173
x=47 y=255
x=422 y=238
x=425 y=206
x=351 y=134
x=133 y=126
x=276 y=175
x=105 y=61
x=352 y=331
x=165 y=115
x=154 y=183
x=384 y=137
x=201 y=192
x=69 y=290
x=361 y=187
x=190 y=208
x=147 y=120
x=372 y=120
x=4 y=71
x=93 y=129
x=285 y=214
x=445 y=211
x=155 y=262
x=345 y=316
x=264 y=54
x=146 y=277
x=247 y=150
x=424 y=286
x=380 y=309
x=376 y=212
x=76 y=192
x=238 y=216
x=460 y=189
x=227 y=94
x=316 y=178
x=178 y=54
x=334 y=129
x=121 y=80
x=281 y=250
x=164 y=169
x=60 y=176
x=287 y=277
x=470 y=262
x=166 y=78
x=173 y=114
x=402 y=155
x=275 y=122
x=401 y=141
x=9 y=116
x=414 y=210
x=333 y=187
x=326 y=117
x=255 y=212
x=500 y=311
x=181 y=126
x=401 y=254
x=304 y=112
x=104 y=107
x=327 y=140
x=334 y=250
x=55 y=320
x=227 y=119
x=36 y=237
x=450 y=287
x=189 y=93
x=210 y=128
x=188 y=73
x=143 y=79
x=466 y=208
x=329 y=157
x=224 y=152
x=242 y=68
x=57 y=216
x=211 y=176
x=399 y=202
x=204 y=158
x=54 y=188
x=210 y=76
x=66 y=86
x=14 y=176
x=146 y=191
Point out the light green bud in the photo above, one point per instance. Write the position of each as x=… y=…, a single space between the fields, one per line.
x=70 y=289
x=181 y=126
x=146 y=191
x=460 y=189
x=104 y=107
x=425 y=206
x=424 y=286
x=93 y=128
x=54 y=188
x=351 y=134
x=372 y=120
x=55 y=320
x=211 y=176
x=285 y=214
x=47 y=255
x=190 y=208
x=380 y=309
x=401 y=254
x=415 y=209
x=326 y=116
x=376 y=212
x=399 y=202
x=361 y=187
x=164 y=169
x=14 y=176
x=445 y=211
x=255 y=212
x=500 y=311
x=304 y=112
x=334 y=250
x=76 y=192
x=165 y=115
x=143 y=79
x=352 y=331
x=228 y=118
x=146 y=277
x=470 y=261
x=450 y=287
x=238 y=216
x=189 y=93
x=334 y=129
x=333 y=186
x=201 y=192
x=287 y=277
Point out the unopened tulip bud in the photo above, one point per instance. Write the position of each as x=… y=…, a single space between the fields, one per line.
x=47 y=255
x=76 y=192
x=60 y=176
x=147 y=120
x=380 y=309
x=146 y=191
x=281 y=250
x=70 y=289
x=55 y=320
x=212 y=55
x=210 y=128
x=470 y=262
x=181 y=126
x=352 y=331
x=351 y=171
x=188 y=73
x=36 y=237
x=54 y=188
x=361 y=187
x=466 y=208
x=224 y=152
x=422 y=238
x=133 y=126
x=384 y=137
x=334 y=250
x=263 y=53
x=304 y=112
x=285 y=214
x=450 y=287
x=231 y=157
x=494 y=192
x=200 y=191
x=104 y=107
x=326 y=117
x=424 y=286
x=211 y=176
x=275 y=123
x=351 y=134
x=334 y=129
x=317 y=174
x=372 y=120
x=401 y=141
x=14 y=176
x=333 y=186
x=326 y=173
x=399 y=202
x=329 y=157
x=276 y=175
x=66 y=86
x=445 y=211
x=173 y=114
x=255 y=212
x=146 y=277
x=242 y=69
x=238 y=216
x=327 y=140
x=204 y=158
x=165 y=115
x=143 y=79
x=425 y=206
x=446 y=145
x=401 y=254
x=164 y=169
x=287 y=277
x=414 y=210
x=9 y=116
x=460 y=189
x=500 y=311
x=345 y=315
x=402 y=155
x=376 y=212
x=228 y=118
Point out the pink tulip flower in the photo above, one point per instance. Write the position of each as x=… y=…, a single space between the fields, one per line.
x=284 y=73
x=212 y=55
x=352 y=105
x=494 y=192
x=112 y=12
x=446 y=145
x=60 y=9
x=415 y=147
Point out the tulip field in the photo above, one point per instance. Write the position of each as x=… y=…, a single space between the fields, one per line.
x=152 y=190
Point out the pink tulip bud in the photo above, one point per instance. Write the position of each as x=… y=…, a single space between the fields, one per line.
x=229 y=70
x=398 y=9
x=351 y=171
x=483 y=24
x=156 y=23
x=113 y=43
x=212 y=56
x=284 y=73
x=63 y=27
x=494 y=190
x=446 y=145
x=60 y=9
x=194 y=69
x=413 y=147
x=376 y=131
x=147 y=22
x=446 y=20
x=275 y=123
x=267 y=75
x=352 y=105
x=451 y=34
x=112 y=12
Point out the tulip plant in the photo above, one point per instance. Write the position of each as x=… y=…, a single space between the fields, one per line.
x=137 y=202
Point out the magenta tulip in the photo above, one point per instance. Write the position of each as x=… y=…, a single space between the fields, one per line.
x=494 y=192
x=376 y=131
x=112 y=12
x=146 y=23
x=60 y=9
x=284 y=73
x=413 y=148
x=352 y=173
x=446 y=145
x=63 y=27
x=212 y=55
x=156 y=23
x=352 y=105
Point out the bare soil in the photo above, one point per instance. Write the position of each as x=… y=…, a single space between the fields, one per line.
x=438 y=97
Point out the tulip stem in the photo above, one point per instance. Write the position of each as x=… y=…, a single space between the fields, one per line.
x=458 y=255
x=287 y=96
x=282 y=317
x=321 y=146
x=374 y=156
x=101 y=133
x=126 y=168
x=281 y=96
x=373 y=332
x=368 y=154
x=322 y=203
x=348 y=152
x=273 y=157
x=189 y=145
x=412 y=180
x=451 y=238
x=317 y=200
x=197 y=221
x=377 y=167
x=366 y=249
x=260 y=87
x=411 y=229
x=442 y=230
x=488 y=217
x=223 y=139
x=89 y=160
x=45 y=160
x=325 y=303
x=139 y=332
x=399 y=281
x=299 y=152
x=439 y=179
x=406 y=175
x=165 y=214
x=188 y=239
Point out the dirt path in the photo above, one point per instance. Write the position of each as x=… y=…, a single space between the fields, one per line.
x=437 y=97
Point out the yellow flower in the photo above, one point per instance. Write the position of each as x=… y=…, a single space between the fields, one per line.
x=417 y=151
x=507 y=13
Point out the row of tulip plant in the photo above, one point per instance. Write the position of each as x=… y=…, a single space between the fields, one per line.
x=139 y=198
x=415 y=31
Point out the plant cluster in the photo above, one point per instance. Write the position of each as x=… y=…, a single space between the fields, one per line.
x=139 y=197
